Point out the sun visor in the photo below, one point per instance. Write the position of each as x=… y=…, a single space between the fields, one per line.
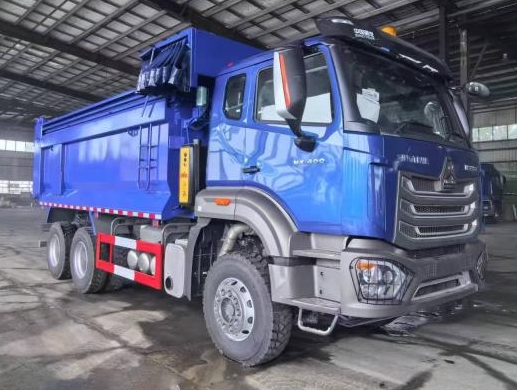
x=360 y=32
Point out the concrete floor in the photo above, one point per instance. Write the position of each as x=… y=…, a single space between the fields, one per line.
x=51 y=337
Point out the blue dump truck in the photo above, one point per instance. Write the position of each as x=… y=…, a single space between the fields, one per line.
x=492 y=189
x=327 y=183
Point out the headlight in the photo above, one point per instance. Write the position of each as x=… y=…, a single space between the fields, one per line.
x=380 y=280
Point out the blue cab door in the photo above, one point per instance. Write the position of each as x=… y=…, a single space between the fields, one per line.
x=226 y=155
x=307 y=184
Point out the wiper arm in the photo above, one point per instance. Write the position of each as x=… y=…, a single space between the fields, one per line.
x=403 y=125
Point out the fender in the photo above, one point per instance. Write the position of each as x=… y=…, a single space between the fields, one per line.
x=256 y=209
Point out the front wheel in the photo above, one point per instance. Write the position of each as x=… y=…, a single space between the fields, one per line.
x=243 y=322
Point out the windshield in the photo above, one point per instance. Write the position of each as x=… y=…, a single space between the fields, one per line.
x=400 y=100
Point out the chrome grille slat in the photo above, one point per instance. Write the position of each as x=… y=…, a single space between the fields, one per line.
x=433 y=210
x=432 y=189
x=423 y=232
x=429 y=211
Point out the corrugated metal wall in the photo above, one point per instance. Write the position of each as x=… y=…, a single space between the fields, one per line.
x=16 y=165
x=494 y=118
x=503 y=154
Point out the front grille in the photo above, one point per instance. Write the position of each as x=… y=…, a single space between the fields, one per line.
x=430 y=211
x=425 y=185
x=431 y=231
x=442 y=285
x=439 y=209
x=433 y=288
x=436 y=252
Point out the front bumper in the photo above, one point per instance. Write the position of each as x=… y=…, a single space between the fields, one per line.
x=330 y=287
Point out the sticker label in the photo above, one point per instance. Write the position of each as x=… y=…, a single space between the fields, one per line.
x=184 y=179
x=368 y=104
x=365 y=34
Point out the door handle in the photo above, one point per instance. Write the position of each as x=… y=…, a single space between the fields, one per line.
x=251 y=169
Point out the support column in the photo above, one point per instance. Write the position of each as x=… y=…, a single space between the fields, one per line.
x=443 y=36
x=464 y=67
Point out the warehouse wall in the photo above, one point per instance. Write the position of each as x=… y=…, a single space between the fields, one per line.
x=505 y=116
x=16 y=166
x=502 y=153
x=502 y=150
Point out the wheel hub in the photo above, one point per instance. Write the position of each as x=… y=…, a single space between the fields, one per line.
x=80 y=260
x=54 y=250
x=234 y=310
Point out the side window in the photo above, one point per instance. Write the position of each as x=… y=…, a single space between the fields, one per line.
x=318 y=109
x=234 y=96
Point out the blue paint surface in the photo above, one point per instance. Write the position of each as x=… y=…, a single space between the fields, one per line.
x=122 y=154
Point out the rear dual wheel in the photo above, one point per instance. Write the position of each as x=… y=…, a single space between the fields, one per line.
x=86 y=277
x=58 y=249
x=71 y=254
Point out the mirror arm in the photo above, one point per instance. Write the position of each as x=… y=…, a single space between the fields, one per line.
x=305 y=142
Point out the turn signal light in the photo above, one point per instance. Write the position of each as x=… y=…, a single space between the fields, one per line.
x=222 y=201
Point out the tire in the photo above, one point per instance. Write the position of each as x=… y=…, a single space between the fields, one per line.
x=268 y=333
x=58 y=249
x=115 y=282
x=86 y=277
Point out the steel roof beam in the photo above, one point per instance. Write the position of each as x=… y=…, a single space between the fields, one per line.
x=18 y=32
x=27 y=107
x=48 y=86
x=184 y=13
x=330 y=7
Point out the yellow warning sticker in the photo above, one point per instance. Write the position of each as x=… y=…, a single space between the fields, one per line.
x=184 y=190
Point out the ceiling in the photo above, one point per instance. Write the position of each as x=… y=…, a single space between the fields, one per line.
x=59 y=55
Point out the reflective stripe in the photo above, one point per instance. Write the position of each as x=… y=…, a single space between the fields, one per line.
x=103 y=210
x=124 y=272
x=125 y=242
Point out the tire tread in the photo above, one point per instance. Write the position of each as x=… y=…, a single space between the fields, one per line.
x=282 y=318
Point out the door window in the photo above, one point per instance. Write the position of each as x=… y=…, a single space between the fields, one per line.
x=234 y=96
x=318 y=108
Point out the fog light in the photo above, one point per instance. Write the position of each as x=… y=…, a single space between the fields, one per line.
x=481 y=265
x=380 y=279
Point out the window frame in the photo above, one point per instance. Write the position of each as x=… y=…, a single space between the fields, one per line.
x=225 y=112
x=283 y=122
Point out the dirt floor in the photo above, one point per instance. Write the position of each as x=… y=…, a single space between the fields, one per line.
x=51 y=337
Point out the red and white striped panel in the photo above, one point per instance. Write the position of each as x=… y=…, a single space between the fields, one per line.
x=107 y=265
x=104 y=210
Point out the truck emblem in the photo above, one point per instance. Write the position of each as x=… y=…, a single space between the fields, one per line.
x=448 y=179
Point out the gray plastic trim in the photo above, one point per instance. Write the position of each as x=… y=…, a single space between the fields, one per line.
x=256 y=209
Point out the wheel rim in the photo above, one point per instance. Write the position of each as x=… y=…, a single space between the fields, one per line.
x=234 y=309
x=54 y=250
x=80 y=260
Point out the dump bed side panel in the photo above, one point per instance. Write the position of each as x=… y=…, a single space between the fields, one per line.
x=120 y=155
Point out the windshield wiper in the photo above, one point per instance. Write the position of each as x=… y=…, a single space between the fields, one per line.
x=403 y=125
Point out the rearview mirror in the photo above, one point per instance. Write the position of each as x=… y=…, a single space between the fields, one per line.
x=476 y=89
x=290 y=90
